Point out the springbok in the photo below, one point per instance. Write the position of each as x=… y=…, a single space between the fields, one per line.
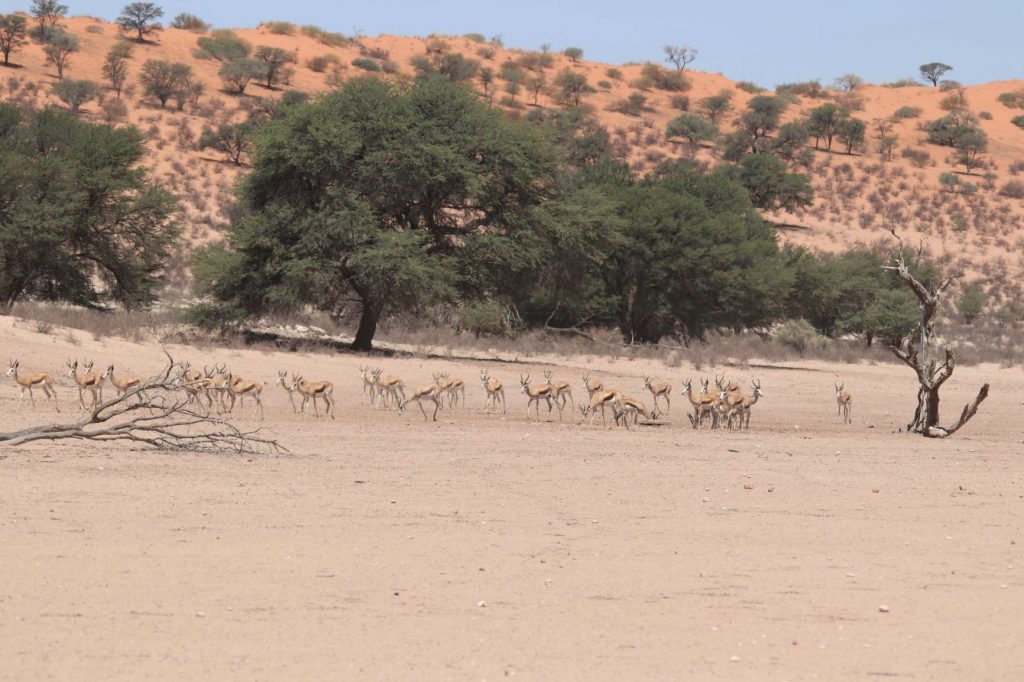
x=660 y=389
x=429 y=392
x=89 y=381
x=366 y=374
x=845 y=402
x=624 y=407
x=738 y=405
x=703 y=404
x=536 y=394
x=27 y=381
x=237 y=386
x=495 y=392
x=289 y=387
x=388 y=385
x=559 y=390
x=591 y=386
x=599 y=400
x=312 y=389
x=124 y=383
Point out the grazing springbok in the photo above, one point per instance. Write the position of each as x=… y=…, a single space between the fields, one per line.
x=624 y=407
x=432 y=392
x=599 y=400
x=27 y=381
x=845 y=402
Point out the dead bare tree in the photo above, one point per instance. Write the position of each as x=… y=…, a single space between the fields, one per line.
x=916 y=351
x=157 y=412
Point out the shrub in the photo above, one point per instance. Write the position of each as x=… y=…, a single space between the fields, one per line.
x=223 y=45
x=366 y=64
x=237 y=74
x=985 y=116
x=1013 y=189
x=321 y=63
x=573 y=53
x=811 y=89
x=666 y=79
x=1012 y=100
x=614 y=74
x=94 y=28
x=484 y=318
x=114 y=110
x=75 y=93
x=1018 y=121
x=680 y=102
x=949 y=181
x=750 y=87
x=800 y=336
x=906 y=112
x=604 y=85
x=283 y=28
x=326 y=37
x=475 y=37
x=903 y=83
x=190 y=22
x=918 y=157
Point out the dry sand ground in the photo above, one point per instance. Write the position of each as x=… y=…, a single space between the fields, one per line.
x=657 y=554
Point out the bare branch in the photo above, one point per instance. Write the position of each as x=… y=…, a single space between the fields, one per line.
x=158 y=413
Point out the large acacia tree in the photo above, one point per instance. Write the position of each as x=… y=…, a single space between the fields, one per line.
x=80 y=221
x=372 y=196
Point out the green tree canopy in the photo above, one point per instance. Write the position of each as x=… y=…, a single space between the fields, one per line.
x=140 y=18
x=13 y=29
x=934 y=71
x=80 y=221
x=376 y=196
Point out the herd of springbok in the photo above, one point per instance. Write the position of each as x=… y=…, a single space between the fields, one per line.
x=216 y=388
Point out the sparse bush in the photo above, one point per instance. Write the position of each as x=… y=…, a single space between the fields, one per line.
x=163 y=80
x=1012 y=100
x=326 y=37
x=906 y=112
x=190 y=22
x=321 y=63
x=233 y=140
x=750 y=87
x=275 y=64
x=573 y=53
x=366 y=64
x=811 y=89
x=1018 y=121
x=140 y=18
x=237 y=74
x=13 y=29
x=475 y=37
x=985 y=116
x=902 y=83
x=604 y=85
x=1013 y=189
x=113 y=110
x=224 y=46
x=680 y=102
x=58 y=50
x=283 y=28
x=800 y=335
x=75 y=93
x=94 y=28
x=666 y=79
x=613 y=73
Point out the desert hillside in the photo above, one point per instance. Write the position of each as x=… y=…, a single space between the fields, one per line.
x=975 y=227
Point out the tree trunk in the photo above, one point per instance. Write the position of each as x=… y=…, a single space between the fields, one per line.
x=367 y=328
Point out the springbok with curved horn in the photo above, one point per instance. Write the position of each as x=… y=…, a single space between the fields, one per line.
x=657 y=390
x=89 y=381
x=27 y=381
x=312 y=389
x=559 y=390
x=703 y=404
x=123 y=383
x=237 y=386
x=591 y=386
x=432 y=392
x=536 y=394
x=289 y=387
x=495 y=392
x=845 y=402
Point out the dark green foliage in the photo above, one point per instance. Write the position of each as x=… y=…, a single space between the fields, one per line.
x=750 y=87
x=770 y=184
x=790 y=143
x=971 y=303
x=58 y=49
x=692 y=127
x=13 y=31
x=232 y=139
x=79 y=220
x=140 y=18
x=934 y=71
x=943 y=131
x=224 y=46
x=237 y=74
x=754 y=126
x=75 y=93
x=190 y=22
x=378 y=194
x=163 y=80
x=970 y=143
x=1018 y=121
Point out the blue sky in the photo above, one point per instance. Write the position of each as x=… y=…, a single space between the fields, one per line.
x=770 y=42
